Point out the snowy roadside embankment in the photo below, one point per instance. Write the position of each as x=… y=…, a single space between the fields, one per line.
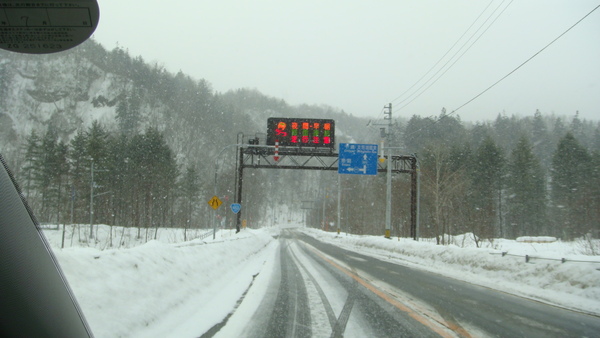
x=573 y=284
x=132 y=291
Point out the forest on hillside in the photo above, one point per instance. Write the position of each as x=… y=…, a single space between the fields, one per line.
x=515 y=176
x=99 y=136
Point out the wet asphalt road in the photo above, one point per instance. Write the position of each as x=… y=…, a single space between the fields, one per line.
x=382 y=299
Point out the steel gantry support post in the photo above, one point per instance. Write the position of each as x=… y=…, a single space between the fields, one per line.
x=339 y=203
x=238 y=193
x=413 y=198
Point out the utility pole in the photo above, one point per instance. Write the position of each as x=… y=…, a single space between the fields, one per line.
x=388 y=197
x=339 y=199
x=386 y=133
x=92 y=202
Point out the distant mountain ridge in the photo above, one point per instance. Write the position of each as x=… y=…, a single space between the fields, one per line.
x=70 y=90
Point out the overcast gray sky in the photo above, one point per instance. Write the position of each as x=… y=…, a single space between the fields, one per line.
x=360 y=55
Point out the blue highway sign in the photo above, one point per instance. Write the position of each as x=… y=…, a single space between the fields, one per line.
x=236 y=207
x=357 y=159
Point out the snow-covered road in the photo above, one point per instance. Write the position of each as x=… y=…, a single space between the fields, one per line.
x=171 y=287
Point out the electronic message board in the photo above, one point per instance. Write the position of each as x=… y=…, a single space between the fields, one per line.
x=300 y=132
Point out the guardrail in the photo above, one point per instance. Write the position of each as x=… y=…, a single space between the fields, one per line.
x=529 y=257
x=207 y=234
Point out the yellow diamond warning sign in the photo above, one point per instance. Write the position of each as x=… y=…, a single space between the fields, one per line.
x=215 y=202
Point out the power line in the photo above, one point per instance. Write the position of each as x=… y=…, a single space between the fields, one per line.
x=510 y=73
x=433 y=77
x=522 y=64
x=443 y=56
x=455 y=61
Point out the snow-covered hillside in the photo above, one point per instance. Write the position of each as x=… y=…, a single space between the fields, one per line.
x=68 y=92
x=171 y=287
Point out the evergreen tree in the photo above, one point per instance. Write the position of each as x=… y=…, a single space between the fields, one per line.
x=32 y=162
x=594 y=194
x=155 y=178
x=541 y=141
x=190 y=193
x=98 y=140
x=417 y=133
x=51 y=175
x=526 y=192
x=479 y=133
x=121 y=173
x=61 y=179
x=596 y=139
x=558 y=131
x=47 y=171
x=571 y=168
x=460 y=157
x=167 y=173
x=487 y=184
x=507 y=130
x=422 y=132
x=540 y=131
x=577 y=127
x=80 y=164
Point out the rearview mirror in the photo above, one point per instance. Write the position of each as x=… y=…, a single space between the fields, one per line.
x=46 y=26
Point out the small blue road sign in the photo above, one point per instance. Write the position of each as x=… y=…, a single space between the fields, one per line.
x=236 y=207
x=357 y=159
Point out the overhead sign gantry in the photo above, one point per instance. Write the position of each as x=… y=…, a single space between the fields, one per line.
x=309 y=144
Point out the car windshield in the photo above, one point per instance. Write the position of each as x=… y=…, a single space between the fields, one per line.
x=315 y=169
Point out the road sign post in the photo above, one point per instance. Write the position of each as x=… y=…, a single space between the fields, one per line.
x=215 y=203
x=356 y=159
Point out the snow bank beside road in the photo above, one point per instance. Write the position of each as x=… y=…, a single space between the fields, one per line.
x=572 y=284
x=152 y=288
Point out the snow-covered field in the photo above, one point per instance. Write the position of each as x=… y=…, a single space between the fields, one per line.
x=171 y=287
